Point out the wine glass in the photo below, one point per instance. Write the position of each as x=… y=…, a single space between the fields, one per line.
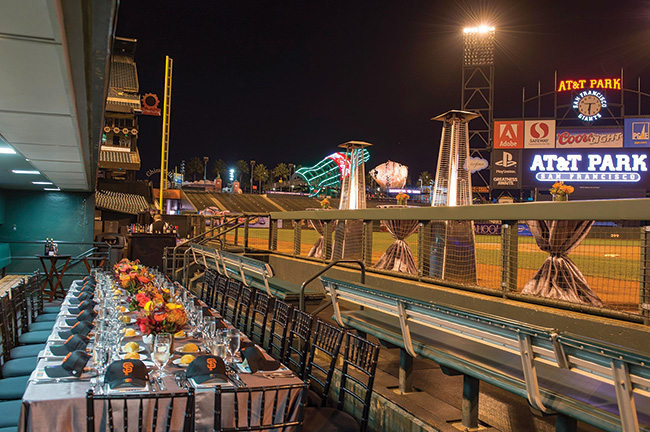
x=161 y=346
x=218 y=344
x=233 y=341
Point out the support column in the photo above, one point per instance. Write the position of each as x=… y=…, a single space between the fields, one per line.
x=405 y=371
x=470 y=402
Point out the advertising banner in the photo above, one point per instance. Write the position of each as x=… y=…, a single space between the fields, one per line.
x=622 y=168
x=589 y=138
x=637 y=132
x=509 y=134
x=506 y=169
x=539 y=134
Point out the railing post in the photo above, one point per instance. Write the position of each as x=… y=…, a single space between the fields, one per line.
x=246 y=220
x=273 y=235
x=367 y=242
x=297 y=236
x=424 y=248
x=509 y=252
x=327 y=240
x=644 y=288
x=236 y=234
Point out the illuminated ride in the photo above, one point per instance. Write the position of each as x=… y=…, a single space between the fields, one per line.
x=329 y=172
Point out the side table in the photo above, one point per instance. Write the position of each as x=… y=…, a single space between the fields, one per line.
x=54 y=277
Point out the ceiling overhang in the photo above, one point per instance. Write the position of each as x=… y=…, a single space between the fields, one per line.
x=53 y=87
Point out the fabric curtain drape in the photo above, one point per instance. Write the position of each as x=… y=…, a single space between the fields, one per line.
x=398 y=256
x=559 y=277
x=316 y=250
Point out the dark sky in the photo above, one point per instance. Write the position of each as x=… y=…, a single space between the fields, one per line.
x=288 y=81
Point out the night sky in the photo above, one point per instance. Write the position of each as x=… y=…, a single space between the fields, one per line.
x=288 y=81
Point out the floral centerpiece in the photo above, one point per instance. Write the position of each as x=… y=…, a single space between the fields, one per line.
x=132 y=275
x=402 y=198
x=325 y=203
x=159 y=316
x=561 y=191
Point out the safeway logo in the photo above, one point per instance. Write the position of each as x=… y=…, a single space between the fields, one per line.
x=507 y=161
x=539 y=130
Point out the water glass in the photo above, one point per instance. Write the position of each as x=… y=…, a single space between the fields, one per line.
x=233 y=340
x=161 y=351
x=218 y=344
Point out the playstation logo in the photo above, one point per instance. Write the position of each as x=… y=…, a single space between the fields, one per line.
x=507 y=160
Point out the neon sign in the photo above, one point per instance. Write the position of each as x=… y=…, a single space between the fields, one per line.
x=589 y=104
x=590 y=167
x=583 y=84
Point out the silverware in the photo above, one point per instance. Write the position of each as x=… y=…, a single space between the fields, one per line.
x=234 y=378
x=161 y=385
x=152 y=383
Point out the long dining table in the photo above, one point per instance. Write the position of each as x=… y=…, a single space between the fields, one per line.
x=60 y=404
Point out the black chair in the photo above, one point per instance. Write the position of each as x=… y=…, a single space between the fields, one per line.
x=280 y=322
x=20 y=315
x=244 y=309
x=11 y=388
x=231 y=300
x=35 y=288
x=259 y=315
x=207 y=289
x=120 y=401
x=357 y=379
x=297 y=348
x=251 y=407
x=12 y=366
x=220 y=294
x=325 y=349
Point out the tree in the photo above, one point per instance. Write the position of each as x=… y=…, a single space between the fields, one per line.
x=426 y=178
x=281 y=172
x=195 y=167
x=260 y=174
x=219 y=168
x=242 y=168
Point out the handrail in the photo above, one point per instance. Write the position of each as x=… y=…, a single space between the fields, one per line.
x=323 y=270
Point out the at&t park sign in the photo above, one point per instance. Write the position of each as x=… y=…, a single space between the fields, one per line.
x=627 y=167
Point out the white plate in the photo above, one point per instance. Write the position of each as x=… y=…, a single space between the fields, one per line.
x=137 y=333
x=210 y=384
x=142 y=356
x=177 y=362
x=130 y=321
x=142 y=348
x=179 y=350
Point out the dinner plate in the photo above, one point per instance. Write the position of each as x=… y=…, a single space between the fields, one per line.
x=137 y=333
x=179 y=350
x=177 y=362
x=142 y=356
x=142 y=348
x=130 y=321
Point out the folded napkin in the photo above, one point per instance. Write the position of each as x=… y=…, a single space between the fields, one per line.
x=257 y=361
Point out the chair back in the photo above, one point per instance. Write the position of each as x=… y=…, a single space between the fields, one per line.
x=244 y=309
x=359 y=367
x=297 y=349
x=325 y=349
x=155 y=411
x=261 y=408
x=5 y=331
x=34 y=295
x=232 y=300
x=259 y=315
x=20 y=309
x=220 y=293
x=207 y=289
x=9 y=320
x=279 y=327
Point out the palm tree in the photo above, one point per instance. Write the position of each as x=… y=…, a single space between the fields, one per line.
x=242 y=168
x=281 y=172
x=195 y=167
x=219 y=168
x=426 y=178
x=260 y=174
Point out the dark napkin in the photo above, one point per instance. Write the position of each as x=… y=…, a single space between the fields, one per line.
x=257 y=361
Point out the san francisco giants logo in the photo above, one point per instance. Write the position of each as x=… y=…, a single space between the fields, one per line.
x=211 y=363
x=127 y=368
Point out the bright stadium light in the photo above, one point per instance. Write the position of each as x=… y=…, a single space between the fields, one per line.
x=478 y=45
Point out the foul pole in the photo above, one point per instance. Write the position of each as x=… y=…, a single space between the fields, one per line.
x=167 y=106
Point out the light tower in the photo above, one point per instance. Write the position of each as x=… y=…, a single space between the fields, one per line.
x=453 y=255
x=478 y=91
x=348 y=237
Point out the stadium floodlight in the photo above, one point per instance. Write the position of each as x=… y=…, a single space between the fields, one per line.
x=478 y=45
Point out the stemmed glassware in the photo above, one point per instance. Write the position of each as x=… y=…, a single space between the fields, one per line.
x=233 y=340
x=161 y=351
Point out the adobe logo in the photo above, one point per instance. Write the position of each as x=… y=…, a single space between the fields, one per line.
x=509 y=134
